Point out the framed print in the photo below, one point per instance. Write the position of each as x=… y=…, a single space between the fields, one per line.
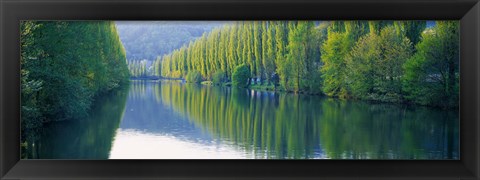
x=275 y=89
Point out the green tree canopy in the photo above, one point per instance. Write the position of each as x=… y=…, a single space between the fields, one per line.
x=432 y=74
x=240 y=76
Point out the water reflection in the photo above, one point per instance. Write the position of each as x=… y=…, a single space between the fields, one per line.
x=172 y=120
x=89 y=138
x=276 y=125
x=151 y=129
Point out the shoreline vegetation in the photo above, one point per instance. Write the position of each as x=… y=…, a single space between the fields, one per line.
x=66 y=66
x=271 y=88
x=388 y=61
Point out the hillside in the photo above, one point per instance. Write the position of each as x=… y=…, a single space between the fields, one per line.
x=149 y=39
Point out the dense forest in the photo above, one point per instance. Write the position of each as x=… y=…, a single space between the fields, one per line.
x=65 y=66
x=390 y=61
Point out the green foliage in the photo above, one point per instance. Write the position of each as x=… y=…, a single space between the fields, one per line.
x=360 y=65
x=432 y=74
x=269 y=50
x=334 y=51
x=297 y=55
x=157 y=68
x=194 y=77
x=261 y=45
x=257 y=49
x=218 y=77
x=375 y=66
x=143 y=68
x=356 y=29
x=65 y=65
x=411 y=29
x=346 y=59
x=240 y=76
x=333 y=70
x=376 y=26
x=281 y=38
x=395 y=49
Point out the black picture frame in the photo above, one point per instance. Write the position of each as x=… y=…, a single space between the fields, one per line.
x=12 y=11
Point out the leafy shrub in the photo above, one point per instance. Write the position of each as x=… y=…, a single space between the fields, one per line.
x=194 y=77
x=240 y=76
x=218 y=77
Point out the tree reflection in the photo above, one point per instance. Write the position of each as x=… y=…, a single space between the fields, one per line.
x=260 y=124
x=90 y=138
x=273 y=125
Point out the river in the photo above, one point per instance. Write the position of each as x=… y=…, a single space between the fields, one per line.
x=173 y=120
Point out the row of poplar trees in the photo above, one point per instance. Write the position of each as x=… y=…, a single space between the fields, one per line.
x=65 y=65
x=142 y=68
x=392 y=61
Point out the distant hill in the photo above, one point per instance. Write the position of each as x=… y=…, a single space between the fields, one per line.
x=149 y=39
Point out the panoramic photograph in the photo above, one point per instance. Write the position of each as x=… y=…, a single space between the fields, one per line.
x=356 y=90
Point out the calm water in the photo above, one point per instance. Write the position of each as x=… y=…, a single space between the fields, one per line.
x=168 y=119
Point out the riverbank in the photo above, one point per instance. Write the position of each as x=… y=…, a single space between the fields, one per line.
x=271 y=88
x=263 y=87
x=161 y=115
x=373 y=98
